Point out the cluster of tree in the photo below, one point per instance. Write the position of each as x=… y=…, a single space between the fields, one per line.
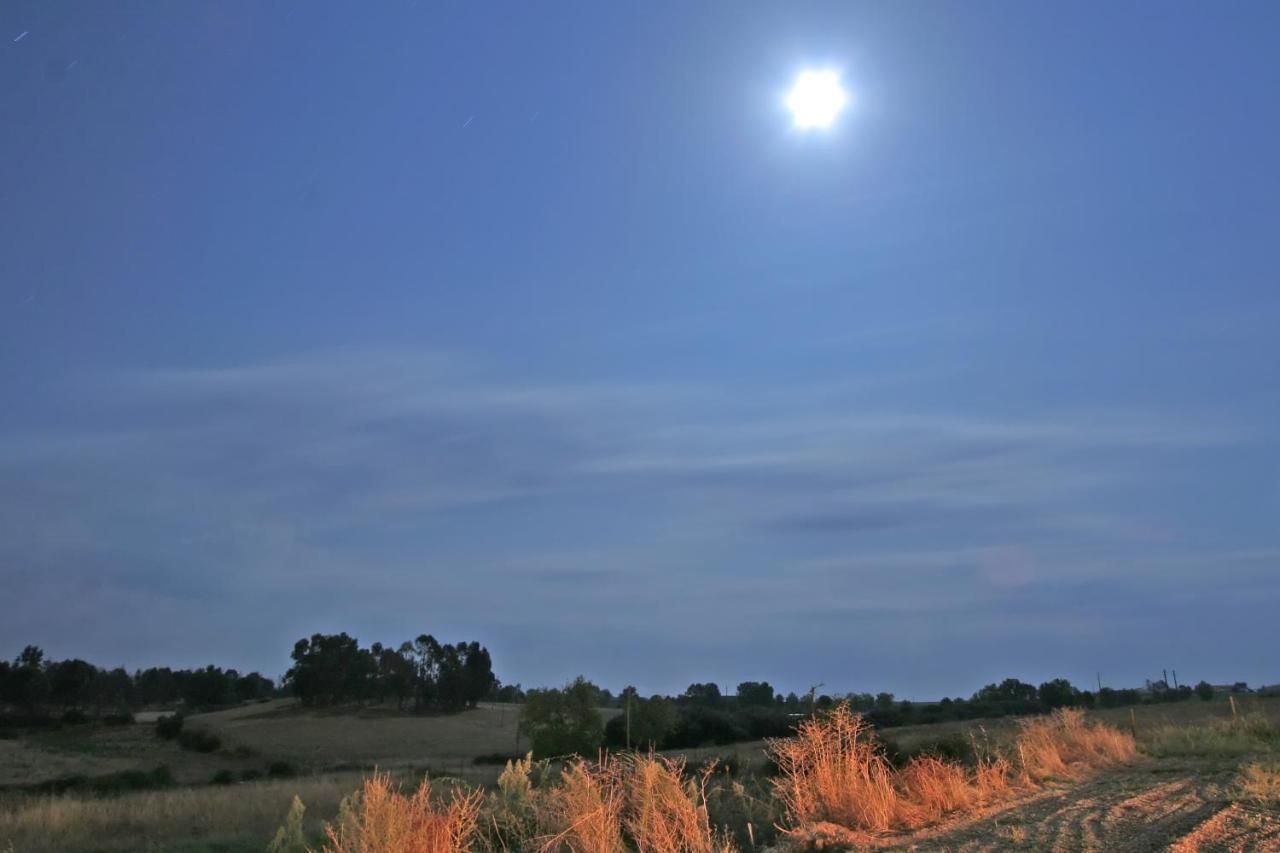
x=560 y=721
x=566 y=720
x=429 y=675
x=32 y=683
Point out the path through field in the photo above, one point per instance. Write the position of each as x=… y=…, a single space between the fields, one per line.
x=1161 y=806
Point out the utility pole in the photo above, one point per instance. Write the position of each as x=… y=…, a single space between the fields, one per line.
x=1099 y=682
x=1175 y=678
x=813 y=704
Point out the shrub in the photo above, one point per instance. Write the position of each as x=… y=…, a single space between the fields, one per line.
x=562 y=722
x=953 y=747
x=495 y=758
x=1063 y=744
x=380 y=819
x=600 y=806
x=290 y=838
x=169 y=726
x=832 y=771
x=123 y=717
x=834 y=780
x=222 y=777
x=199 y=740
x=281 y=770
x=513 y=809
x=110 y=783
x=74 y=717
x=1261 y=783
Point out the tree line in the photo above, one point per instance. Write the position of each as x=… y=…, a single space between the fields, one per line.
x=566 y=720
x=32 y=682
x=426 y=674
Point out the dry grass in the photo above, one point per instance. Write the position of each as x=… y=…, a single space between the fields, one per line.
x=832 y=773
x=163 y=819
x=1249 y=734
x=1064 y=744
x=1261 y=783
x=375 y=735
x=584 y=814
x=634 y=802
x=382 y=819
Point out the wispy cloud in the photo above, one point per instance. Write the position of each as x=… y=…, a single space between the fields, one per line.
x=356 y=480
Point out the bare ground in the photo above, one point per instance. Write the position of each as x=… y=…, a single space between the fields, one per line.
x=1180 y=806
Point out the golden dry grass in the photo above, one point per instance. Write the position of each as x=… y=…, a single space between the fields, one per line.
x=833 y=771
x=639 y=802
x=1065 y=744
x=833 y=774
x=382 y=819
x=1260 y=783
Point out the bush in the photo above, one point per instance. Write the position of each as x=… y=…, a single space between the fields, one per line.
x=290 y=838
x=381 y=819
x=281 y=770
x=169 y=727
x=562 y=722
x=110 y=783
x=119 y=718
x=74 y=717
x=953 y=747
x=496 y=758
x=250 y=775
x=199 y=740
x=699 y=726
x=222 y=777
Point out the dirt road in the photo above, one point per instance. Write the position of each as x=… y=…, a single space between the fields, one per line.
x=1181 y=807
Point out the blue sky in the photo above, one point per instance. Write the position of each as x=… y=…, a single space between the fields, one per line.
x=540 y=325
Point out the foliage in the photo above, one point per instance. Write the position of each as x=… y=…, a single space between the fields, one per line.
x=562 y=721
x=169 y=726
x=755 y=694
x=332 y=668
x=290 y=837
x=199 y=740
x=32 y=682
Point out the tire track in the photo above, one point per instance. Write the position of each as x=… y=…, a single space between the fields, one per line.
x=1128 y=812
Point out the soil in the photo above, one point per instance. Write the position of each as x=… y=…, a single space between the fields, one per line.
x=1160 y=805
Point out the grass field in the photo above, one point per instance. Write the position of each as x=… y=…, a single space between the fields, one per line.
x=1197 y=774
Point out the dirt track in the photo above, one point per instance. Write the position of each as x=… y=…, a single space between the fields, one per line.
x=1160 y=806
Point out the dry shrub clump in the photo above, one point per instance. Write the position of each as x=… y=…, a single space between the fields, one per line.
x=1261 y=783
x=381 y=819
x=1063 y=745
x=833 y=773
x=584 y=814
x=601 y=806
x=930 y=787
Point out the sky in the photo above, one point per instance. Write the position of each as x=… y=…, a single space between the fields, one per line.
x=541 y=325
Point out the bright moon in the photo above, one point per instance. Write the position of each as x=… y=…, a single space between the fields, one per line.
x=816 y=99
